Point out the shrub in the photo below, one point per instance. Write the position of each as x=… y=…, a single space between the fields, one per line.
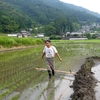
x=14 y=41
x=54 y=37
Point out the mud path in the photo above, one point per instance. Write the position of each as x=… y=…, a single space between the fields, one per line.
x=85 y=82
x=17 y=48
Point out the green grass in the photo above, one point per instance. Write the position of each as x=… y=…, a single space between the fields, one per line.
x=6 y=41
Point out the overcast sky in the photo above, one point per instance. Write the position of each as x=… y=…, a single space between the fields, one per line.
x=93 y=5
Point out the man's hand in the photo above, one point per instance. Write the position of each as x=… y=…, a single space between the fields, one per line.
x=60 y=59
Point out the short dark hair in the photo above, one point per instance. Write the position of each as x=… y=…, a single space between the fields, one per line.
x=47 y=41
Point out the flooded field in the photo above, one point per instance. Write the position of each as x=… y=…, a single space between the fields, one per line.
x=51 y=90
x=19 y=79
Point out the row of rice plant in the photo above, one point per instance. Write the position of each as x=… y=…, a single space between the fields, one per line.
x=19 y=71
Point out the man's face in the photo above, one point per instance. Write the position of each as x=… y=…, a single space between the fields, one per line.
x=48 y=44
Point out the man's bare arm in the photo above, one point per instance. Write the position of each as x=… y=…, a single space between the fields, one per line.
x=58 y=56
x=43 y=55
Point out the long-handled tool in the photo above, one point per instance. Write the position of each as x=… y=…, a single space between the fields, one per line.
x=59 y=71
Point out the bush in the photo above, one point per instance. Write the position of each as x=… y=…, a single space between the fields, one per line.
x=54 y=37
x=14 y=41
x=11 y=42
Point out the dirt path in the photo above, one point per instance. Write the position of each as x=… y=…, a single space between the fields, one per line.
x=85 y=83
x=17 y=48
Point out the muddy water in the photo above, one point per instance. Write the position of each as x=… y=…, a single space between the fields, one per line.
x=55 y=89
x=96 y=70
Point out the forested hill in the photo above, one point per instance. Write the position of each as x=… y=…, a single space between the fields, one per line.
x=82 y=14
x=79 y=8
x=69 y=7
x=19 y=14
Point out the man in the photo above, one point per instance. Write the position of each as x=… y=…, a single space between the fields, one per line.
x=50 y=52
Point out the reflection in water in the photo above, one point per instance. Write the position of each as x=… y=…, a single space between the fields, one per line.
x=63 y=92
x=50 y=91
x=55 y=89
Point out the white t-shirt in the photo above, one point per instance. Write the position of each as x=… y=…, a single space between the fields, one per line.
x=50 y=52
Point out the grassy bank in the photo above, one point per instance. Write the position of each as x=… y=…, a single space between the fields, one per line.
x=6 y=41
x=77 y=41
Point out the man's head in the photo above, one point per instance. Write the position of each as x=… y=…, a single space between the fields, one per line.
x=48 y=43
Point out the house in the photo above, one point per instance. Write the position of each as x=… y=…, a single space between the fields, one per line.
x=86 y=28
x=40 y=36
x=12 y=35
x=30 y=29
x=98 y=36
x=72 y=35
x=92 y=34
x=78 y=38
x=76 y=34
x=19 y=35
x=25 y=34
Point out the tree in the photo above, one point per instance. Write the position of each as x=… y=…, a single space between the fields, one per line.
x=50 y=30
x=8 y=25
x=70 y=26
x=88 y=35
x=60 y=25
x=76 y=26
x=29 y=23
x=94 y=36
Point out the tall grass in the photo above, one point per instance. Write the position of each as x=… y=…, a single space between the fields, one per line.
x=6 y=41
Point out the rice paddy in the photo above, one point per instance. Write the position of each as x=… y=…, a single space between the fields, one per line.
x=18 y=74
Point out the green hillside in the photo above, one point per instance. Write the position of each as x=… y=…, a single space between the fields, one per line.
x=79 y=8
x=22 y=14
